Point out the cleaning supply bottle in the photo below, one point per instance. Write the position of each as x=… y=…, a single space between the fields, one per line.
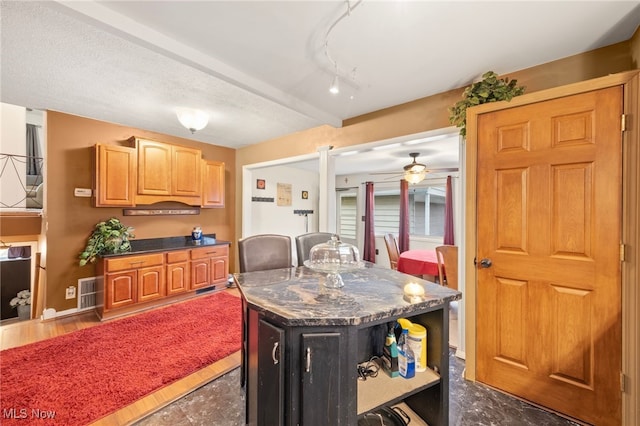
x=390 y=354
x=406 y=360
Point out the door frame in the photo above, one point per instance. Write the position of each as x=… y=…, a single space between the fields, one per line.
x=630 y=225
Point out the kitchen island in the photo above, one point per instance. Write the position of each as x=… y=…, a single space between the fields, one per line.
x=303 y=342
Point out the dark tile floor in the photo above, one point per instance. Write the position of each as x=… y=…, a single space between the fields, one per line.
x=221 y=403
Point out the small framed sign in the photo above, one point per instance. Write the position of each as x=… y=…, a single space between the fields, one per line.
x=261 y=184
x=305 y=195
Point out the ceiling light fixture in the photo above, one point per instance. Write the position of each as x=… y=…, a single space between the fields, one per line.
x=334 y=88
x=192 y=119
x=414 y=177
x=415 y=172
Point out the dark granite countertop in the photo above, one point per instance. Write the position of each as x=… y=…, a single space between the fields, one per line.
x=151 y=245
x=297 y=297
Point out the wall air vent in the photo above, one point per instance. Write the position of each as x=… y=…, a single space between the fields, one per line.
x=87 y=288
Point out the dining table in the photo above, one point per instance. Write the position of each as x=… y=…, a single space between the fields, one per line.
x=423 y=263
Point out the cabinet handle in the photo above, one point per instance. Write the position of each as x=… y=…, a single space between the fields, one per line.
x=273 y=353
x=307 y=367
x=136 y=263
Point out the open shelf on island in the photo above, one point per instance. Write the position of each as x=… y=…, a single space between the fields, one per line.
x=384 y=390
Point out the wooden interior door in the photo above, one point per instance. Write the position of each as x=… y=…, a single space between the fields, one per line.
x=549 y=228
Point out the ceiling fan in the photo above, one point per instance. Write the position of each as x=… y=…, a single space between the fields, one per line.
x=416 y=172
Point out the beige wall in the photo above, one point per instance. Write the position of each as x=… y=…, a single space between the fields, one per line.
x=70 y=142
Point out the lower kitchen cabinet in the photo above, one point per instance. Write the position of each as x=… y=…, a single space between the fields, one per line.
x=178 y=271
x=132 y=279
x=209 y=266
x=133 y=282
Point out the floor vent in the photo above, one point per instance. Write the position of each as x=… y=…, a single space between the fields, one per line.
x=87 y=288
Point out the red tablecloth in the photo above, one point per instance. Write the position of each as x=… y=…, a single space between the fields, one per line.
x=418 y=262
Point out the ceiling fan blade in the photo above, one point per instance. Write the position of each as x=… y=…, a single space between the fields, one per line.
x=444 y=169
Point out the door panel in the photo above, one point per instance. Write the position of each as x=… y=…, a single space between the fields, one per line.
x=549 y=218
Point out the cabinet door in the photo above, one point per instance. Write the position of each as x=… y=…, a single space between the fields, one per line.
x=120 y=289
x=150 y=283
x=178 y=277
x=213 y=184
x=321 y=386
x=200 y=273
x=185 y=171
x=270 y=374
x=219 y=270
x=115 y=176
x=154 y=168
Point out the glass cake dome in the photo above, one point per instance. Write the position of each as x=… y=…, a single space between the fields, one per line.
x=334 y=257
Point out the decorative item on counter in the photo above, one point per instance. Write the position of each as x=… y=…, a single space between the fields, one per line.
x=413 y=292
x=108 y=237
x=334 y=257
x=196 y=234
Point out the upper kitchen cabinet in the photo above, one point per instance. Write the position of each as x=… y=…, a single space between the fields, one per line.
x=168 y=173
x=115 y=178
x=212 y=184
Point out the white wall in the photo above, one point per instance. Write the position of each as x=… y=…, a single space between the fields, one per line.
x=269 y=218
x=13 y=140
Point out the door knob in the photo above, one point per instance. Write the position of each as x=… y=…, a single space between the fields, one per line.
x=485 y=263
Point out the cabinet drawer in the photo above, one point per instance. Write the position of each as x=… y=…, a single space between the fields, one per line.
x=212 y=251
x=133 y=262
x=177 y=256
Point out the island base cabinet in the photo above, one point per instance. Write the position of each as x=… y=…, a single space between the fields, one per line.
x=321 y=379
x=270 y=374
x=308 y=375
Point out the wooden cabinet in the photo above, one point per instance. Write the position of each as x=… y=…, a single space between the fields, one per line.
x=178 y=271
x=209 y=266
x=132 y=279
x=168 y=173
x=150 y=172
x=138 y=281
x=213 y=184
x=115 y=177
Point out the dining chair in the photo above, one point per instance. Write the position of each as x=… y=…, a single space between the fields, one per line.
x=305 y=242
x=448 y=266
x=264 y=251
x=392 y=249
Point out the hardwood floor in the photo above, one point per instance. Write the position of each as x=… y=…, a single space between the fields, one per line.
x=21 y=333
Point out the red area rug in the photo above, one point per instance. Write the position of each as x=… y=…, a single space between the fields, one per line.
x=79 y=377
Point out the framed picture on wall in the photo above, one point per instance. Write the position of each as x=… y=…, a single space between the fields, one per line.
x=305 y=195
x=261 y=184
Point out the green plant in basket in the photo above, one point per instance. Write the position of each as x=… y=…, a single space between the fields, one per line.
x=489 y=89
x=109 y=237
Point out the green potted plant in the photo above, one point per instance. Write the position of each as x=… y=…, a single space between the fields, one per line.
x=108 y=237
x=489 y=89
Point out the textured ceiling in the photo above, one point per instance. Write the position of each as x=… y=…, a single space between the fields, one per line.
x=260 y=68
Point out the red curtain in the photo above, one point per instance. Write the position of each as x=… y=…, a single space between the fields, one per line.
x=448 y=215
x=369 y=230
x=403 y=234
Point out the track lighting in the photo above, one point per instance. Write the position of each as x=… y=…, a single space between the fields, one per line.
x=335 y=87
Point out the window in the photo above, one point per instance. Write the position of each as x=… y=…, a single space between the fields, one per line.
x=348 y=217
x=426 y=212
